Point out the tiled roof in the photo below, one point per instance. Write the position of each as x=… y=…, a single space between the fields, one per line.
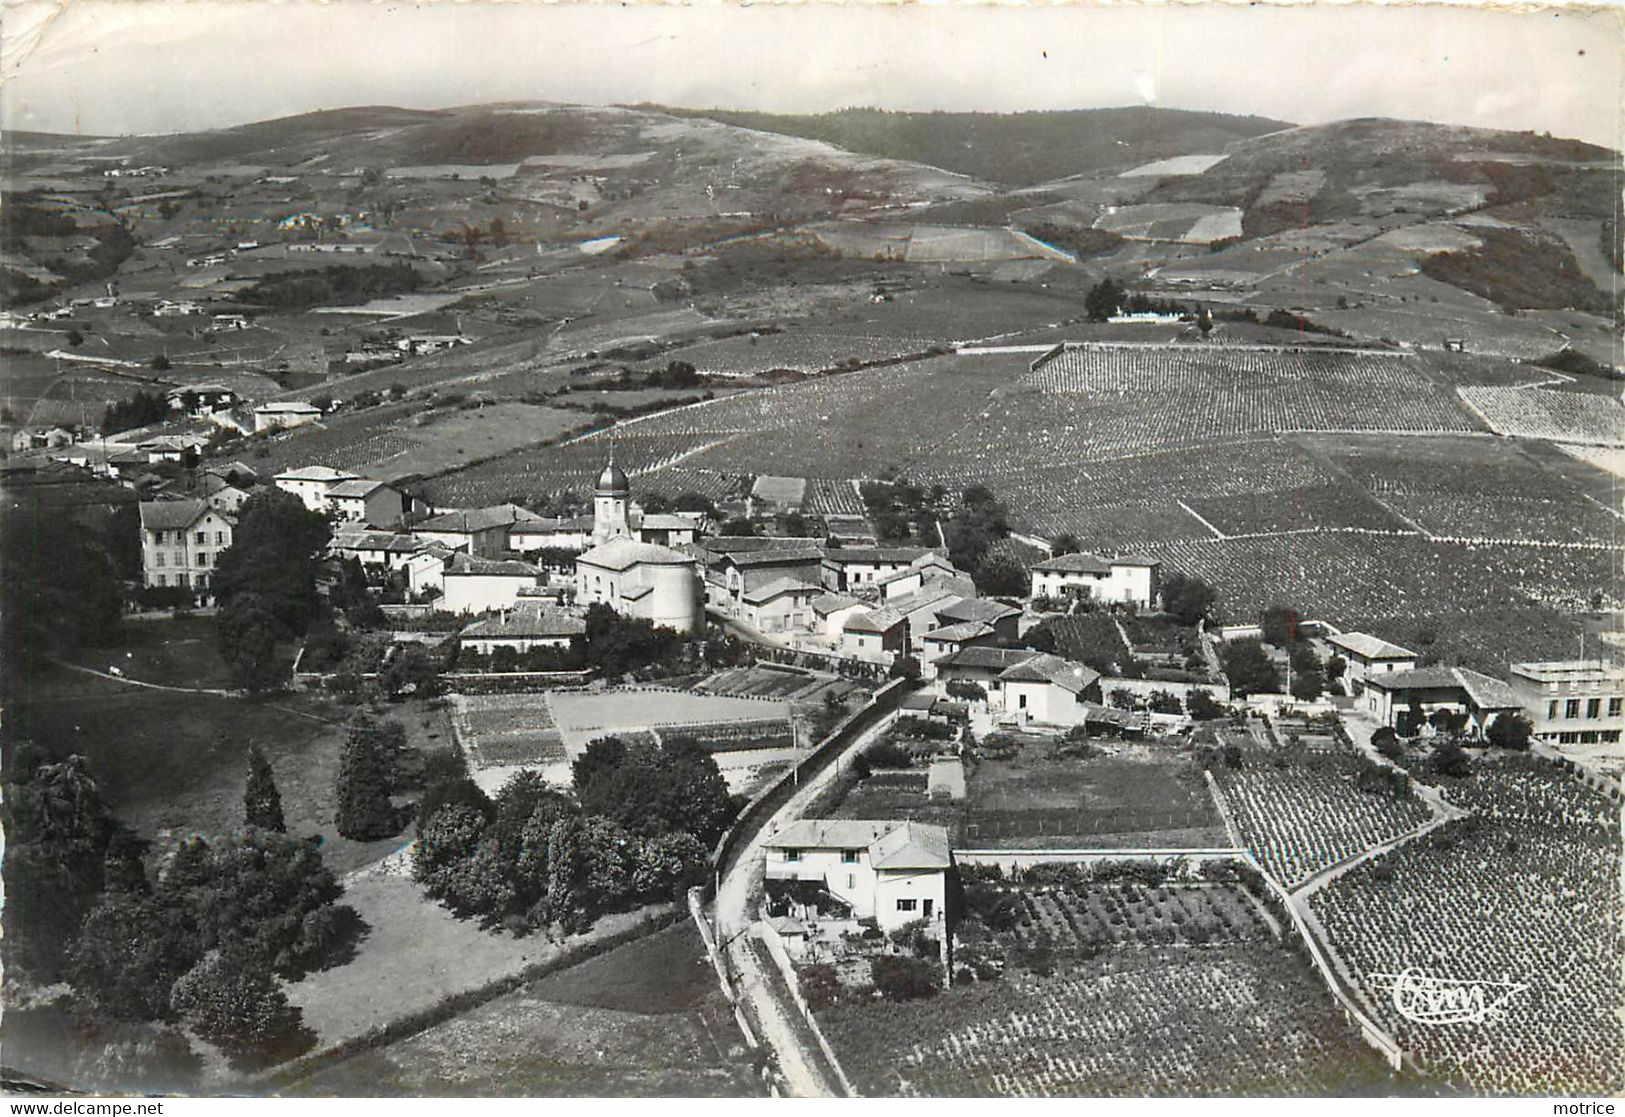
x=826 y=603
x=783 y=556
x=890 y=844
x=877 y=620
x=288 y=407
x=976 y=609
x=374 y=541
x=360 y=487
x=987 y=659
x=1136 y=559
x=171 y=515
x=1052 y=669
x=839 y=556
x=551 y=526
x=1369 y=647
x=623 y=553
x=778 y=588
x=476 y=519
x=1074 y=564
x=957 y=633
x=526 y=621
x=1484 y=692
x=461 y=563
x=317 y=473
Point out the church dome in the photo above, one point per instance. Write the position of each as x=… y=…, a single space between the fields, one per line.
x=612 y=480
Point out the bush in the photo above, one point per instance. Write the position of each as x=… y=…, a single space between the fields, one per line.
x=238 y=1006
x=898 y=978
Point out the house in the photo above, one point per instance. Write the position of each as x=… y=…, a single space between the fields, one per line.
x=479 y=585
x=1130 y=578
x=181 y=541
x=979 y=665
x=947 y=640
x=847 y=568
x=366 y=502
x=878 y=635
x=831 y=611
x=198 y=400
x=1368 y=656
x=172 y=447
x=730 y=577
x=1571 y=702
x=1003 y=619
x=644 y=580
x=1404 y=699
x=892 y=872
x=279 y=415
x=386 y=550
x=928 y=568
x=528 y=625
x=1046 y=689
x=783 y=605
x=425 y=568
x=312 y=483
x=572 y=533
x=482 y=532
x=668 y=529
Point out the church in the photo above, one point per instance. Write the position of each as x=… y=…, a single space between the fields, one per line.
x=635 y=577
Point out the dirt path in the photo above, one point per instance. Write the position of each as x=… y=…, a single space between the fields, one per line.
x=127 y=681
x=737 y=894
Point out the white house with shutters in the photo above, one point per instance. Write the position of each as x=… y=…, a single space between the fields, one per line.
x=894 y=872
x=181 y=542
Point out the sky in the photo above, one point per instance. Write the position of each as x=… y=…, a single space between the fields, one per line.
x=137 y=66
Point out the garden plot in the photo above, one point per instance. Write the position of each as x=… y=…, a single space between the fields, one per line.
x=1308 y=815
x=581 y=716
x=1525 y=891
x=1543 y=413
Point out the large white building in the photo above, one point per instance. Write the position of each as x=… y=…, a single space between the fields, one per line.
x=181 y=542
x=634 y=578
x=1572 y=702
x=1129 y=578
x=893 y=872
x=1370 y=655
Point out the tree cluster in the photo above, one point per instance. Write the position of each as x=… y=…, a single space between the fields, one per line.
x=638 y=830
x=140 y=410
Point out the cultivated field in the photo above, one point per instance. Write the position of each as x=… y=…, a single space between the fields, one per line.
x=1526 y=892
x=1308 y=815
x=1543 y=413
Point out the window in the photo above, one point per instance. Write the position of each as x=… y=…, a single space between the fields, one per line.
x=907 y=905
x=200 y=537
x=161 y=579
x=851 y=882
x=1551 y=710
x=219 y=539
x=1613 y=707
x=1571 y=708
x=849 y=857
x=792 y=855
x=202 y=580
x=203 y=558
x=1594 y=708
x=1021 y=702
x=157 y=558
x=181 y=580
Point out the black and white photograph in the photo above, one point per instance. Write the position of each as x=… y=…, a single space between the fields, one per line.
x=811 y=550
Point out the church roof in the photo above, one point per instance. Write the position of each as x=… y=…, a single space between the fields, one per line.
x=613 y=480
x=623 y=553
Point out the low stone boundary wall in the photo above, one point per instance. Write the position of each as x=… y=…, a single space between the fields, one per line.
x=787 y=970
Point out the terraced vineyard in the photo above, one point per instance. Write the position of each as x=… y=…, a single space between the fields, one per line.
x=750 y=355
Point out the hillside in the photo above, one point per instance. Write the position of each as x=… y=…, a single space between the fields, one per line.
x=1014 y=149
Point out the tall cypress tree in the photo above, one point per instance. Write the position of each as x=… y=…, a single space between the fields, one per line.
x=364 y=810
x=262 y=803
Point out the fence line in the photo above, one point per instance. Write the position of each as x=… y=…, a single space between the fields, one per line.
x=781 y=958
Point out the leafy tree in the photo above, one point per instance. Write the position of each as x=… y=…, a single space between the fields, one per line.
x=365 y=812
x=1308 y=685
x=450 y=835
x=1336 y=667
x=739 y=526
x=1387 y=743
x=1450 y=759
x=898 y=978
x=262 y=803
x=1249 y=669
x=411 y=671
x=600 y=759
x=1510 y=731
x=59 y=586
x=1280 y=625
x=588 y=867
x=237 y=1005
x=130 y=952
x=1103 y=300
x=446 y=782
x=141 y=410
x=1003 y=575
x=1164 y=702
x=1188 y=599
x=1201 y=706
x=247 y=636
x=265 y=583
x=161 y=363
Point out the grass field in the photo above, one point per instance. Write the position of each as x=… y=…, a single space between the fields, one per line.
x=643 y=1020
x=173 y=764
